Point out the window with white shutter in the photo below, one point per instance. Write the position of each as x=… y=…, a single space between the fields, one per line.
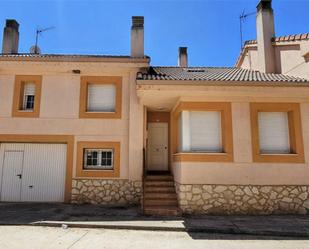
x=29 y=97
x=200 y=131
x=101 y=98
x=274 y=132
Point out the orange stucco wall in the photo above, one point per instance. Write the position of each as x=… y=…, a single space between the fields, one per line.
x=59 y=112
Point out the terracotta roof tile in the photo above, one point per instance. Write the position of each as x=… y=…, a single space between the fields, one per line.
x=68 y=57
x=217 y=74
x=284 y=38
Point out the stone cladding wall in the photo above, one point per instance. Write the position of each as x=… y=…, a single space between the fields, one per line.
x=97 y=191
x=235 y=199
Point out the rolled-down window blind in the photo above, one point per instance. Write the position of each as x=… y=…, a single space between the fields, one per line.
x=101 y=98
x=274 y=132
x=201 y=131
x=29 y=89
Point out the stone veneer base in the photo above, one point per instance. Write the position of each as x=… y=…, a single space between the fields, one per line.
x=238 y=199
x=102 y=191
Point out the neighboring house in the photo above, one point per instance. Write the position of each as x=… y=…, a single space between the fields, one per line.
x=287 y=54
x=110 y=129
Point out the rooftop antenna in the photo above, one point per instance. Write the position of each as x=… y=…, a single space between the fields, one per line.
x=39 y=32
x=242 y=18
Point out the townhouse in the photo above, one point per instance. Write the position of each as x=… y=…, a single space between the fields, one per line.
x=115 y=130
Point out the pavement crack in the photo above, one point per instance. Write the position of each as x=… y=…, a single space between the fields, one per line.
x=78 y=239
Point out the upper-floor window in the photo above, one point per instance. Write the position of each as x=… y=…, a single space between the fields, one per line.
x=276 y=132
x=27 y=96
x=100 y=97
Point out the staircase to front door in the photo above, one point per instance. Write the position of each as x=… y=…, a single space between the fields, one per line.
x=160 y=196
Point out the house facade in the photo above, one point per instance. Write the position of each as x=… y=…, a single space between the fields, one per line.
x=116 y=130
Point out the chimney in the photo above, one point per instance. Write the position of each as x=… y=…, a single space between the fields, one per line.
x=137 y=36
x=182 y=57
x=10 y=37
x=265 y=32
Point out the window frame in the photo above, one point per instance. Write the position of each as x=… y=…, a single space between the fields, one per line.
x=295 y=133
x=94 y=172
x=226 y=133
x=98 y=151
x=83 y=101
x=18 y=96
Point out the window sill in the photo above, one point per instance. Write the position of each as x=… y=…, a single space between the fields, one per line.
x=97 y=173
x=100 y=112
x=278 y=158
x=107 y=115
x=26 y=111
x=202 y=157
x=96 y=169
x=25 y=114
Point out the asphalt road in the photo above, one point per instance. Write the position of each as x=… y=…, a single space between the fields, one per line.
x=48 y=237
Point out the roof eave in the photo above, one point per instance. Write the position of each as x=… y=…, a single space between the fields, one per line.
x=142 y=83
x=111 y=59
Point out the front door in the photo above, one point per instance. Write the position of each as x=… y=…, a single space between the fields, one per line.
x=12 y=174
x=157 y=159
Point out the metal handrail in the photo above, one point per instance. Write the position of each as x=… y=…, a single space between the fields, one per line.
x=144 y=177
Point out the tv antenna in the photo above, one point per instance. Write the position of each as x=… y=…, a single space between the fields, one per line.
x=242 y=18
x=39 y=32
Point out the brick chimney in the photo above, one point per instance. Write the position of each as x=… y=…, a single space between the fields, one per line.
x=265 y=32
x=10 y=37
x=137 y=36
x=182 y=57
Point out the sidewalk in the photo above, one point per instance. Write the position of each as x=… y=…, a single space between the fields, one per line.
x=91 y=216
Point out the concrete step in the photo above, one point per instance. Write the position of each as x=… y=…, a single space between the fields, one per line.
x=160 y=183
x=155 y=189
x=155 y=195
x=160 y=202
x=162 y=211
x=159 y=178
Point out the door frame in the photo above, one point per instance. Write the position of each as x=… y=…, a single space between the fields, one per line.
x=161 y=117
x=66 y=139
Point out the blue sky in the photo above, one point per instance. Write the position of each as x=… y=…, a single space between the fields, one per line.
x=209 y=28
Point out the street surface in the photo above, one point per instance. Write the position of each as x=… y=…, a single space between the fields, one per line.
x=29 y=237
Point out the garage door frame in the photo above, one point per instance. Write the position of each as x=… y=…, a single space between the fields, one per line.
x=66 y=139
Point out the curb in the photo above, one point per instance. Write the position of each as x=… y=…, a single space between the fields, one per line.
x=106 y=226
x=235 y=231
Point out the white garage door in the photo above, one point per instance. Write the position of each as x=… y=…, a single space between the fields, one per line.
x=32 y=172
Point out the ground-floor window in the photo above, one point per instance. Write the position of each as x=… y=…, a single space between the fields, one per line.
x=200 y=131
x=204 y=132
x=276 y=132
x=98 y=158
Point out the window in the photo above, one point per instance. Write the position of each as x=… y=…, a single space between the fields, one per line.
x=204 y=132
x=98 y=159
x=200 y=131
x=100 y=97
x=276 y=132
x=27 y=96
